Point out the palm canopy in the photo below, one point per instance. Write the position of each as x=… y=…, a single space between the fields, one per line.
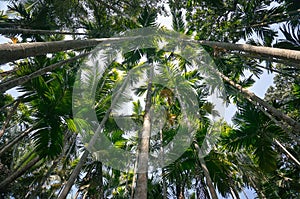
x=43 y=139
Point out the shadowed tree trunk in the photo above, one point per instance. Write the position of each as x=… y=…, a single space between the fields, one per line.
x=16 y=140
x=11 y=52
x=8 y=118
x=18 y=173
x=273 y=111
x=73 y=176
x=291 y=55
x=143 y=148
x=209 y=183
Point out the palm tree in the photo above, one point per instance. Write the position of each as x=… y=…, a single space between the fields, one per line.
x=44 y=146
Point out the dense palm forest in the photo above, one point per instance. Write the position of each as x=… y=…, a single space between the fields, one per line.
x=93 y=107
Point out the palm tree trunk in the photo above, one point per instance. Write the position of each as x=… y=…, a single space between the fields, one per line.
x=143 y=148
x=287 y=152
x=209 y=182
x=32 y=31
x=8 y=118
x=101 y=187
x=73 y=176
x=22 y=80
x=83 y=158
x=68 y=145
x=12 y=52
x=290 y=55
x=18 y=173
x=133 y=184
x=164 y=186
x=16 y=140
x=249 y=95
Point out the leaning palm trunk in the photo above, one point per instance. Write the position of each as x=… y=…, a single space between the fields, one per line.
x=63 y=194
x=8 y=118
x=17 y=139
x=285 y=151
x=32 y=31
x=285 y=54
x=143 y=148
x=22 y=80
x=11 y=52
x=273 y=111
x=164 y=184
x=209 y=182
x=18 y=173
x=73 y=176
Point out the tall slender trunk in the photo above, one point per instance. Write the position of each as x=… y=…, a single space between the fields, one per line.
x=69 y=142
x=73 y=176
x=292 y=55
x=17 y=139
x=285 y=151
x=209 y=182
x=11 y=52
x=33 y=31
x=133 y=185
x=143 y=148
x=22 y=80
x=18 y=173
x=8 y=118
x=101 y=187
x=249 y=95
x=164 y=186
x=83 y=158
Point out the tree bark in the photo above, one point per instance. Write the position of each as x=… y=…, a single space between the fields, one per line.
x=249 y=95
x=32 y=31
x=143 y=148
x=15 y=140
x=287 y=152
x=12 y=52
x=290 y=55
x=164 y=185
x=83 y=158
x=22 y=80
x=18 y=173
x=8 y=118
x=209 y=182
x=73 y=176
